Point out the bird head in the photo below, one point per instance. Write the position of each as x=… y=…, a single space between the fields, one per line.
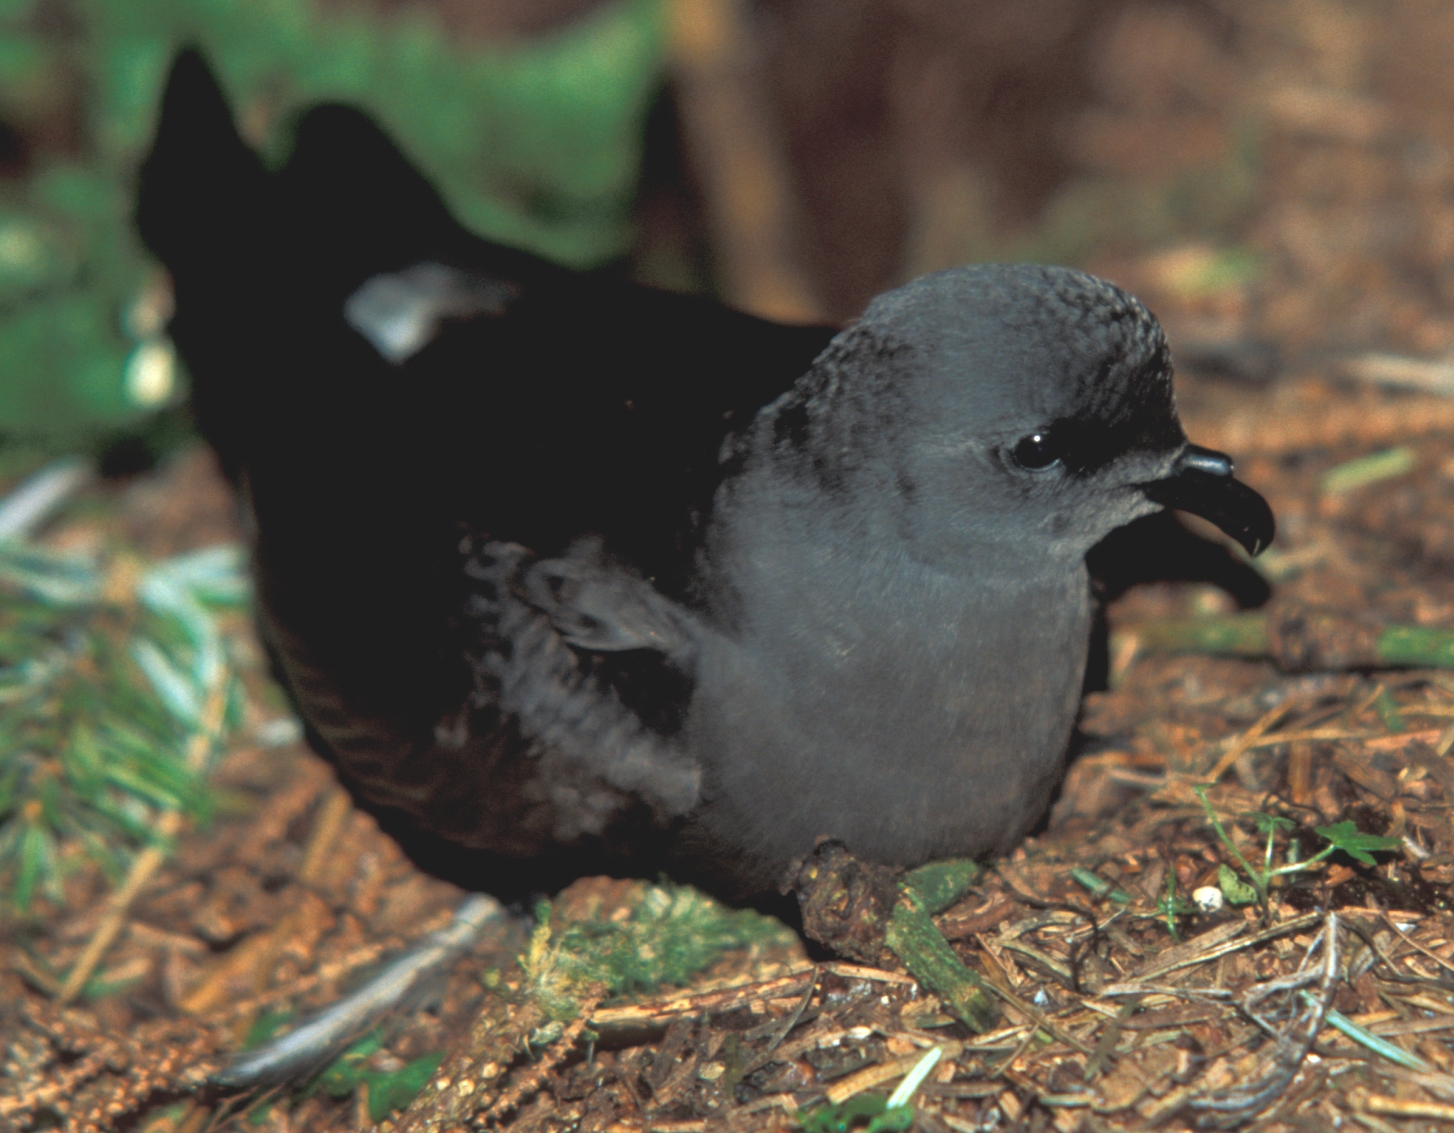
x=1006 y=413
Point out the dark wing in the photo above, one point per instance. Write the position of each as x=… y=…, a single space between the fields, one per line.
x=532 y=408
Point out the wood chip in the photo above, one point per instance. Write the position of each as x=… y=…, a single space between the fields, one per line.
x=858 y=972
x=1167 y=963
x=701 y=1001
x=871 y=1076
x=1403 y=1107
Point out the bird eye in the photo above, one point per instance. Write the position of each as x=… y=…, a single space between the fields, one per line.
x=1038 y=450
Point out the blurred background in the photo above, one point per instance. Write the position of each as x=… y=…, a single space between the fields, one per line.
x=1274 y=178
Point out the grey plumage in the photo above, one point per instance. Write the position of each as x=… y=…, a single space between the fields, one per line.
x=591 y=577
x=886 y=633
x=588 y=577
x=899 y=614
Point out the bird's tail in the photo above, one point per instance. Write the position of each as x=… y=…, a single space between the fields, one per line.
x=368 y=209
x=346 y=198
x=264 y=263
x=206 y=209
x=202 y=193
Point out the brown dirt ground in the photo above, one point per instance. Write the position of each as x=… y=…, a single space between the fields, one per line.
x=1331 y=124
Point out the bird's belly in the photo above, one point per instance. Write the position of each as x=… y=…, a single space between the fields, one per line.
x=904 y=747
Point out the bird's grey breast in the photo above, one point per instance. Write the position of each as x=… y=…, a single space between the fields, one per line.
x=862 y=695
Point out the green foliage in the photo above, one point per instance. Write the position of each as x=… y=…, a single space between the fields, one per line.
x=1364 y=470
x=1376 y=1043
x=388 y=1089
x=1343 y=836
x=115 y=686
x=868 y=1112
x=1237 y=891
x=1099 y=887
x=535 y=143
x=1172 y=907
x=264 y=1027
x=672 y=933
x=941 y=884
x=1346 y=837
x=1388 y=713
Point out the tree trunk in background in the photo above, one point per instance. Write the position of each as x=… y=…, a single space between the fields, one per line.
x=906 y=117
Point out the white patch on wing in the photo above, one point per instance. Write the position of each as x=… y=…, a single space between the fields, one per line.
x=400 y=312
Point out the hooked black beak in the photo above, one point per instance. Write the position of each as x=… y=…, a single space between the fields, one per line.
x=1202 y=483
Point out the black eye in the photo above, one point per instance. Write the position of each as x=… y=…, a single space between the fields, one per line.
x=1038 y=450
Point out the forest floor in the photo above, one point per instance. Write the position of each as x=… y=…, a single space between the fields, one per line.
x=1315 y=343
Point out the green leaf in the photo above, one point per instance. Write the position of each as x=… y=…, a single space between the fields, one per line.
x=1099 y=886
x=89 y=750
x=215 y=575
x=842 y=1118
x=343 y=1074
x=264 y=1027
x=895 y=1117
x=1365 y=470
x=397 y=1088
x=36 y=855
x=1269 y=823
x=388 y=1089
x=941 y=884
x=1237 y=891
x=172 y=688
x=1347 y=837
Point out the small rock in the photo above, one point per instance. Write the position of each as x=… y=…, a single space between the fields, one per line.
x=1208 y=899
